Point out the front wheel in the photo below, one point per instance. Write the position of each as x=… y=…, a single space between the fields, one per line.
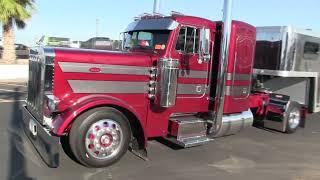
x=100 y=137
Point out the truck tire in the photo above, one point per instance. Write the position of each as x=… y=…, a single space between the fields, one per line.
x=100 y=137
x=293 y=116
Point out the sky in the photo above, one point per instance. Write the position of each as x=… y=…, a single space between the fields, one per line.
x=77 y=19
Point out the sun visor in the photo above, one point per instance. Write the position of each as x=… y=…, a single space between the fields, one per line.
x=152 y=24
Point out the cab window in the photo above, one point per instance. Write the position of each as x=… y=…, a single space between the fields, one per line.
x=188 y=40
x=156 y=40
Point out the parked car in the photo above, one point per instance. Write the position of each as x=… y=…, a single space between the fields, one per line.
x=97 y=43
x=22 y=51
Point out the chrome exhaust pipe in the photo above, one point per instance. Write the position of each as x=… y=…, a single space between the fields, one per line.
x=156 y=7
x=222 y=74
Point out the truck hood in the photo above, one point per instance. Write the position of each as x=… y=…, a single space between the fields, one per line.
x=80 y=73
x=102 y=57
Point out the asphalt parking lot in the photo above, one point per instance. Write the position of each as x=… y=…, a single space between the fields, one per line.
x=252 y=154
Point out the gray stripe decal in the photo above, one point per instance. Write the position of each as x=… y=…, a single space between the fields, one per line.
x=192 y=74
x=118 y=87
x=193 y=89
x=237 y=91
x=68 y=67
x=106 y=69
x=85 y=86
x=238 y=77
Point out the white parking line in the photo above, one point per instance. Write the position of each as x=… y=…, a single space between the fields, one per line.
x=11 y=84
x=9 y=90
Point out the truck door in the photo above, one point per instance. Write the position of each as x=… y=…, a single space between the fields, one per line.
x=193 y=75
x=192 y=89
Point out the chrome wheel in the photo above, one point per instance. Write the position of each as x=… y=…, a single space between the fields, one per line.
x=294 y=118
x=104 y=139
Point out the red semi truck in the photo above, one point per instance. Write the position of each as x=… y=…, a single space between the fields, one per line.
x=182 y=78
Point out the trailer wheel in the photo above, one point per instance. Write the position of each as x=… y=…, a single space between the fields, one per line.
x=100 y=137
x=293 y=116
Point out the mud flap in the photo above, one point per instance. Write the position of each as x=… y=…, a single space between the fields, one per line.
x=138 y=151
x=304 y=117
x=46 y=145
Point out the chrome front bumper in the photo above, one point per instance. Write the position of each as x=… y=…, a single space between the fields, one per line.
x=46 y=145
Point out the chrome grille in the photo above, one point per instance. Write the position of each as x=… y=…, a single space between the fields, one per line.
x=40 y=60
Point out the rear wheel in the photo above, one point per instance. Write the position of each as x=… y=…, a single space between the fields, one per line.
x=100 y=137
x=293 y=115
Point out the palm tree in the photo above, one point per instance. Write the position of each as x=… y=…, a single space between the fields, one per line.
x=13 y=12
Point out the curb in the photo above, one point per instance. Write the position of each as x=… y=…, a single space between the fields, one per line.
x=16 y=72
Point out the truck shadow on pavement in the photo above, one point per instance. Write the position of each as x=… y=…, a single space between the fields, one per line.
x=16 y=158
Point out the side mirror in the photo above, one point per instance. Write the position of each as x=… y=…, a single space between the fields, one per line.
x=204 y=48
x=41 y=41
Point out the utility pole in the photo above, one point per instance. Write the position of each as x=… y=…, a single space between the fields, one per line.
x=97 y=27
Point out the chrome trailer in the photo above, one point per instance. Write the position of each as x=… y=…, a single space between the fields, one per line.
x=287 y=61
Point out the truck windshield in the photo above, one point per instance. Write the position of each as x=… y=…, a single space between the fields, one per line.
x=155 y=40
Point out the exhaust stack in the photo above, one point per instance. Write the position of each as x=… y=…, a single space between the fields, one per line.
x=224 y=52
x=156 y=7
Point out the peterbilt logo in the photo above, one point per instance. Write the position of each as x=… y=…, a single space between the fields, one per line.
x=95 y=70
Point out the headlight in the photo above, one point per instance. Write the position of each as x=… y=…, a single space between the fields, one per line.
x=52 y=103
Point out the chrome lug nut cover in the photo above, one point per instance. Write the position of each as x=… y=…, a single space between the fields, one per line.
x=104 y=139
